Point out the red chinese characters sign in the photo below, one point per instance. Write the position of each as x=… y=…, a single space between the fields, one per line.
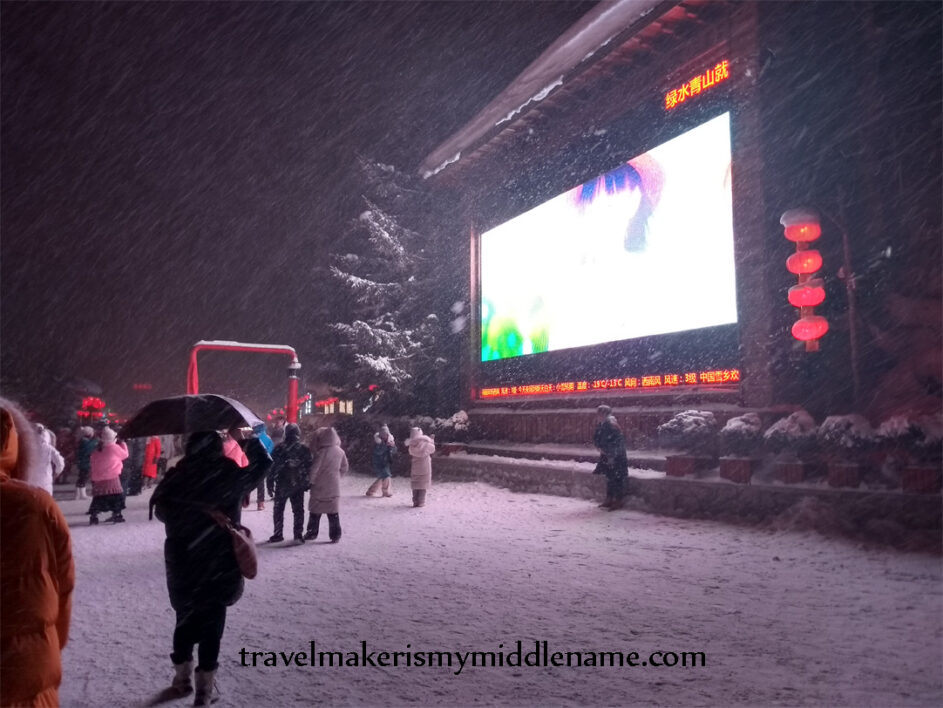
x=699 y=84
x=720 y=376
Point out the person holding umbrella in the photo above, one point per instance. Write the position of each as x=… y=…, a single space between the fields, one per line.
x=203 y=577
x=197 y=500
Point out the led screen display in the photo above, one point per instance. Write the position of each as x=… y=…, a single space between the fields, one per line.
x=642 y=250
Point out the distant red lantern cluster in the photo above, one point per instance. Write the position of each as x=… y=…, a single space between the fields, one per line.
x=802 y=226
x=93 y=408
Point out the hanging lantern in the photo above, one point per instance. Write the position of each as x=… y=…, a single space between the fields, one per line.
x=808 y=294
x=802 y=225
x=809 y=328
x=804 y=262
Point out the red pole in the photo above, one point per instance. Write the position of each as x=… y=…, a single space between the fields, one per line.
x=193 y=379
x=292 y=414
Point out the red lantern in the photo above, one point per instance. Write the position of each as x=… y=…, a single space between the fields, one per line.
x=802 y=225
x=804 y=262
x=803 y=233
x=807 y=294
x=809 y=328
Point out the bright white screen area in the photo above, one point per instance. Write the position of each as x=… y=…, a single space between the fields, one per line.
x=644 y=249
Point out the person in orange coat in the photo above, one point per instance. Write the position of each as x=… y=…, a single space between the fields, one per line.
x=37 y=573
x=151 y=455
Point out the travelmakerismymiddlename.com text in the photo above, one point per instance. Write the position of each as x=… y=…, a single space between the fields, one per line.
x=518 y=654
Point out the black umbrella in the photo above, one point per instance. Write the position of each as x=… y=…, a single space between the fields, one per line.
x=189 y=414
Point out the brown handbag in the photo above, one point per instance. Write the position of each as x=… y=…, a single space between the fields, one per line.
x=242 y=545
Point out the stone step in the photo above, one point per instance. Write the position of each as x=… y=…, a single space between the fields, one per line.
x=643 y=459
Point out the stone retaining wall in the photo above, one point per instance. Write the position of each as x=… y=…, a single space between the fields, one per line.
x=884 y=517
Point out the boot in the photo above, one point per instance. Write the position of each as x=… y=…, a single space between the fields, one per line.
x=617 y=503
x=314 y=520
x=260 y=506
x=79 y=493
x=415 y=497
x=116 y=518
x=334 y=527
x=387 y=487
x=606 y=504
x=182 y=684
x=419 y=497
x=206 y=691
x=372 y=489
x=93 y=521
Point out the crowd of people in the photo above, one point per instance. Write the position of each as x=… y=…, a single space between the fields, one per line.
x=205 y=481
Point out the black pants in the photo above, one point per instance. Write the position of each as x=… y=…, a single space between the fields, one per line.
x=297 y=510
x=615 y=487
x=333 y=525
x=203 y=626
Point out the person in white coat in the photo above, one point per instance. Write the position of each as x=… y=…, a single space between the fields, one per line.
x=420 y=447
x=329 y=465
x=50 y=461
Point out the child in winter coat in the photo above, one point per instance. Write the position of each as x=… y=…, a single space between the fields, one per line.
x=384 y=448
x=330 y=464
x=421 y=448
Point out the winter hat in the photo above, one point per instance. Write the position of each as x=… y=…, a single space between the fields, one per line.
x=108 y=435
x=604 y=410
x=414 y=433
x=385 y=429
x=87 y=431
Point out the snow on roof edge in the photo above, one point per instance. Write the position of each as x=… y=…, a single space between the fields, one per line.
x=581 y=42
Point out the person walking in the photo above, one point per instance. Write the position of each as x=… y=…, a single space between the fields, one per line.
x=83 y=459
x=384 y=448
x=151 y=460
x=50 y=461
x=203 y=576
x=420 y=447
x=107 y=492
x=330 y=464
x=291 y=468
x=267 y=484
x=613 y=461
x=37 y=572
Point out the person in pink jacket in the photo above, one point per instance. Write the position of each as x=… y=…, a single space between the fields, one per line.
x=107 y=494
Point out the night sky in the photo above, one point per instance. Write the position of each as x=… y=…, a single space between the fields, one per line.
x=172 y=171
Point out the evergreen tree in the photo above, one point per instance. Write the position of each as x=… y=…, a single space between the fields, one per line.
x=390 y=336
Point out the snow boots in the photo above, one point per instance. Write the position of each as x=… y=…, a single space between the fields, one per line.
x=206 y=691
x=182 y=684
x=387 y=487
x=333 y=523
x=80 y=493
x=419 y=497
x=116 y=518
x=93 y=521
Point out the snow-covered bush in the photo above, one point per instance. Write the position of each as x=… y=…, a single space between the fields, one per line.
x=692 y=431
x=792 y=437
x=846 y=436
x=742 y=436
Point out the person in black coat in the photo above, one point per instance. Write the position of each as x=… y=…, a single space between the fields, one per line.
x=203 y=577
x=291 y=467
x=613 y=461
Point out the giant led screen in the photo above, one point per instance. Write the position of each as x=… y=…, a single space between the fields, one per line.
x=642 y=250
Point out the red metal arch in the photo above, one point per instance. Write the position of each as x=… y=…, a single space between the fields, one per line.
x=193 y=379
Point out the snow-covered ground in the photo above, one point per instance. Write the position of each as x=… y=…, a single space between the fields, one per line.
x=782 y=618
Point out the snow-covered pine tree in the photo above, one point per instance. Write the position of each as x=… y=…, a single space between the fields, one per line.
x=390 y=334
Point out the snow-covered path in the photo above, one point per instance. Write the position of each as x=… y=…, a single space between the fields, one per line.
x=782 y=618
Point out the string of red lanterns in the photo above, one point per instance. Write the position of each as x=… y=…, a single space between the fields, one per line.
x=802 y=226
